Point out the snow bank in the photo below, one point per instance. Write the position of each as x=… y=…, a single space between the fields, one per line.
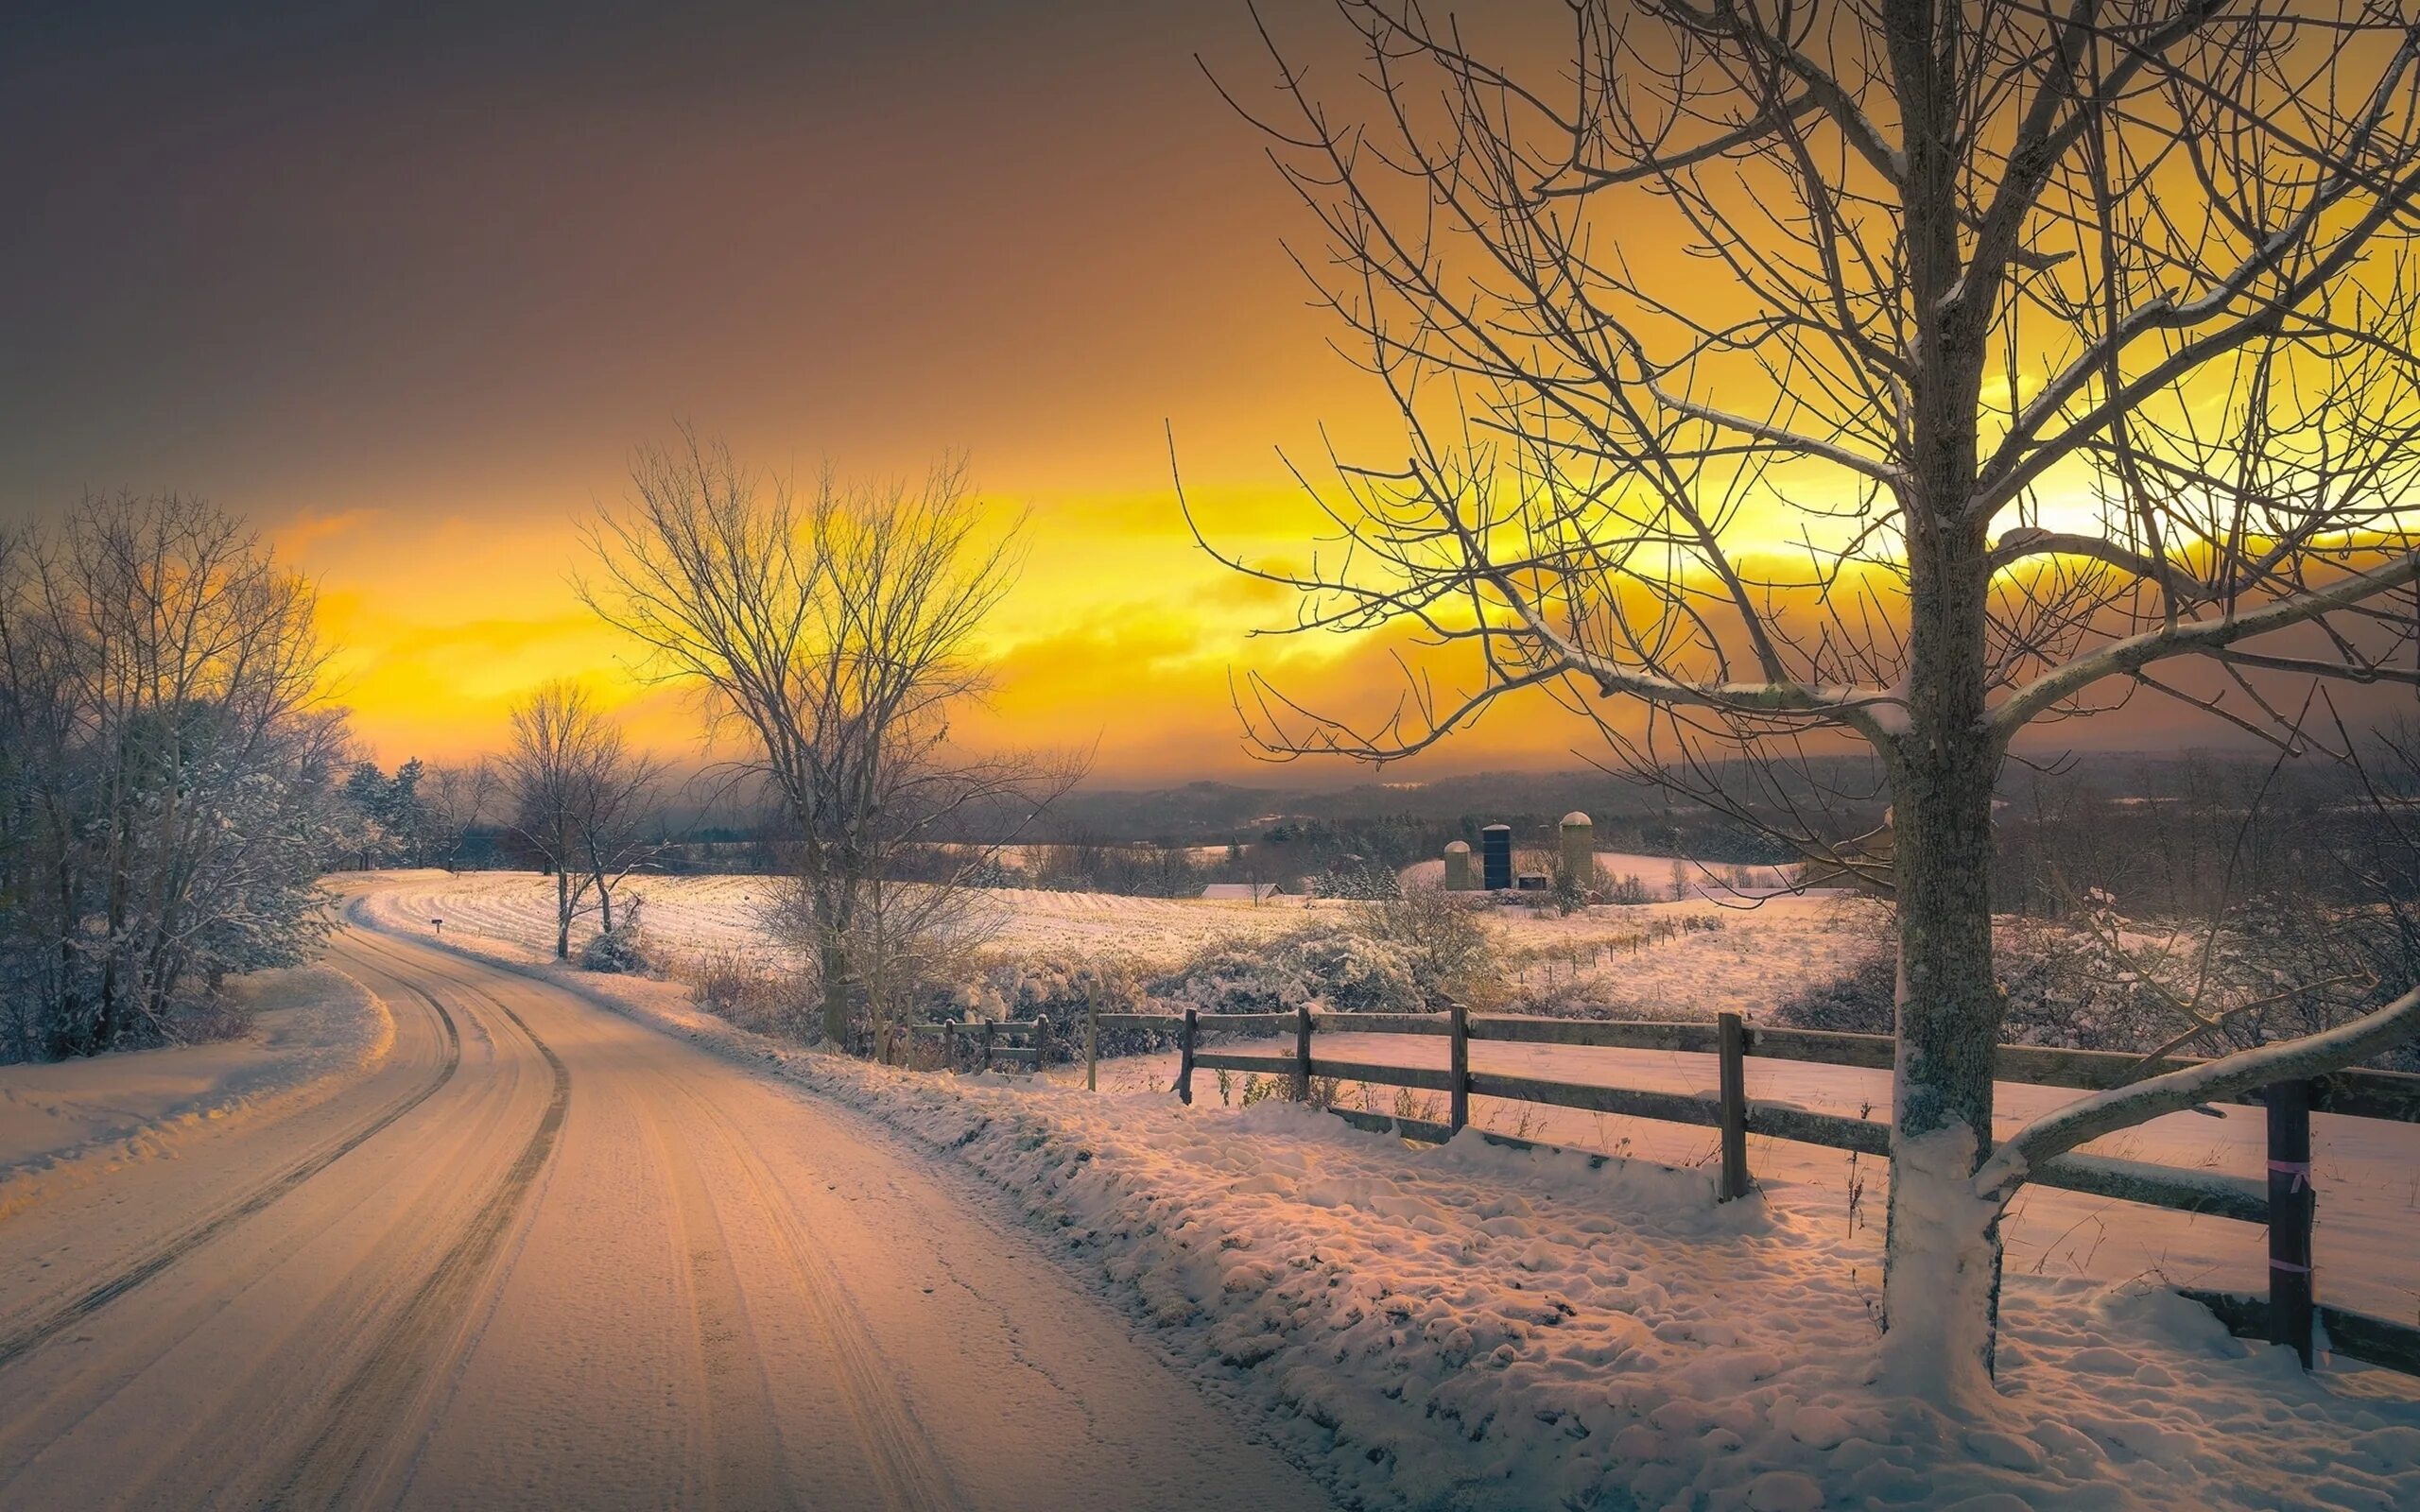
x=66 y=1123
x=1471 y=1327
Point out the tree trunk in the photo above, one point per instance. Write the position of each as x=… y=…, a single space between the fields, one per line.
x=836 y=996
x=1941 y=1277
x=562 y=913
x=1941 y=1286
x=64 y=1032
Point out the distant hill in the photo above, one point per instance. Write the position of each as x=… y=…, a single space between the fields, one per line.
x=1628 y=815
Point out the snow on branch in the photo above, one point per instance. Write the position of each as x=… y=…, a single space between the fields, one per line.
x=2120 y=1107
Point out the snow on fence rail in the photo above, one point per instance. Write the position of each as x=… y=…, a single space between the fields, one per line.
x=2285 y=1203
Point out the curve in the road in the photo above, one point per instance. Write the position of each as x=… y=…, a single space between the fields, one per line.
x=30 y=1335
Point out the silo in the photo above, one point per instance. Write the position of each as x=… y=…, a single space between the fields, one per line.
x=1496 y=856
x=1457 y=866
x=1580 y=849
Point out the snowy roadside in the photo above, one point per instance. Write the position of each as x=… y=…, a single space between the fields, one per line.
x=69 y=1123
x=1472 y=1327
x=2369 y=1205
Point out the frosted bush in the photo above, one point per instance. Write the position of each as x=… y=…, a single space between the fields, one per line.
x=755 y=991
x=1235 y=978
x=1059 y=989
x=621 y=951
x=1355 y=975
x=1342 y=971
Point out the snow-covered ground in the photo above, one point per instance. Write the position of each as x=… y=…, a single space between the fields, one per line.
x=2367 y=1171
x=1472 y=1327
x=1758 y=955
x=70 y=1121
x=688 y=915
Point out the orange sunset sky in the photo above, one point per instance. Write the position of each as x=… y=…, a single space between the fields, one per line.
x=406 y=287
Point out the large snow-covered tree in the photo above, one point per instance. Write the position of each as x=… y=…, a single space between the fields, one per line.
x=166 y=769
x=1788 y=377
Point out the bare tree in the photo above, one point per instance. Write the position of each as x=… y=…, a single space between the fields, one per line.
x=1783 y=378
x=456 y=800
x=838 y=632
x=621 y=820
x=577 y=797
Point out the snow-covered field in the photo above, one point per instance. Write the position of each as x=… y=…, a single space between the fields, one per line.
x=70 y=1121
x=1468 y=1327
x=689 y=915
x=1758 y=957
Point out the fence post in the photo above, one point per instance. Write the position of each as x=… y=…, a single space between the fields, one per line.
x=1303 y=1053
x=1458 y=1060
x=949 y=1045
x=1092 y=1041
x=988 y=1027
x=2290 y=1206
x=1184 y=1058
x=1731 y=1044
x=1041 y=1044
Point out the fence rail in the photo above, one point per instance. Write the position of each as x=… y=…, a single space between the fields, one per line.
x=990 y=1041
x=2284 y=1202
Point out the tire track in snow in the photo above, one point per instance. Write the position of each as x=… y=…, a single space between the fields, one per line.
x=907 y=1469
x=361 y=1413
x=902 y=1458
x=744 y=1463
x=24 y=1340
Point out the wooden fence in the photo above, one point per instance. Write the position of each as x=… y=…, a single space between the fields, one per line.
x=1018 y=1042
x=2284 y=1202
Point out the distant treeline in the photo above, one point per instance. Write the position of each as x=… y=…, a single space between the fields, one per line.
x=2168 y=836
x=2193 y=838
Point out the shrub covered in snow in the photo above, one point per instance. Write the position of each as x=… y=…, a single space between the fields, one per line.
x=620 y=951
x=1358 y=879
x=1059 y=989
x=1861 y=1001
x=1411 y=952
x=1342 y=971
x=2097 y=980
x=1450 y=941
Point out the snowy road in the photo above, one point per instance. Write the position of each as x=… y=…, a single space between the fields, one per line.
x=546 y=1257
